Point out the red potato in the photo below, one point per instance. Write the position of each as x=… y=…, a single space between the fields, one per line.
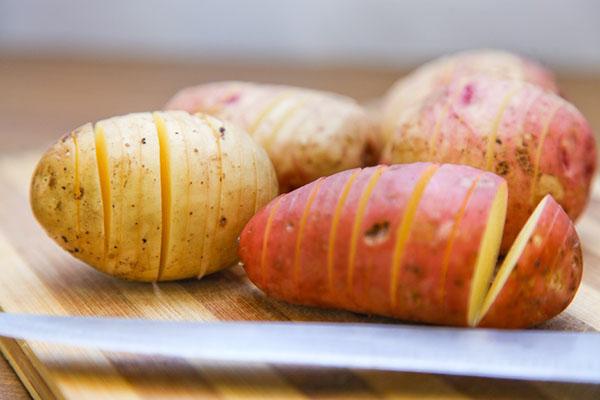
x=306 y=133
x=537 y=141
x=416 y=242
x=419 y=84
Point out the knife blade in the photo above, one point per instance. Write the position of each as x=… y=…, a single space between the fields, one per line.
x=526 y=355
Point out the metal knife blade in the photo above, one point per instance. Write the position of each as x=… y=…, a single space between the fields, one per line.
x=530 y=355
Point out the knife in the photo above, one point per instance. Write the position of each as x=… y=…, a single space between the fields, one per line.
x=528 y=355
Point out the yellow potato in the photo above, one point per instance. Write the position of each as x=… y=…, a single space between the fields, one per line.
x=152 y=196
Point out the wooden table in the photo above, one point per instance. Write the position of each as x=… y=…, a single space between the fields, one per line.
x=41 y=99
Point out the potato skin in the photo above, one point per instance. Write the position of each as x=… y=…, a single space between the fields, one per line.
x=419 y=84
x=307 y=133
x=289 y=251
x=542 y=144
x=53 y=193
x=546 y=276
x=217 y=187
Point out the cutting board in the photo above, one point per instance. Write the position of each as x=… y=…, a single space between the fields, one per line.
x=38 y=277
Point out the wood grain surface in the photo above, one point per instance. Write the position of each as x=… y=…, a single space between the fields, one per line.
x=41 y=100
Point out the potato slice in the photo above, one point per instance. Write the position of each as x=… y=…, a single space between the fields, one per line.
x=133 y=192
x=540 y=274
x=489 y=248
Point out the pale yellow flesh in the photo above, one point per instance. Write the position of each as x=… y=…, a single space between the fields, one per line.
x=488 y=253
x=403 y=232
x=210 y=249
x=104 y=179
x=173 y=174
x=510 y=261
x=271 y=124
x=139 y=210
x=200 y=147
x=128 y=171
x=230 y=187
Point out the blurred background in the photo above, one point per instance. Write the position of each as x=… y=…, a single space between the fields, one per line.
x=65 y=62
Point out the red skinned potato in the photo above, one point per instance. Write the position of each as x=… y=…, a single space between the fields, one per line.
x=426 y=79
x=416 y=242
x=306 y=133
x=536 y=140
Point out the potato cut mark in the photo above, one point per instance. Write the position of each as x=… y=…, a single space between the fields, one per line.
x=443 y=115
x=273 y=183
x=272 y=137
x=77 y=188
x=491 y=137
x=140 y=200
x=538 y=152
x=403 y=230
x=527 y=108
x=488 y=253
x=255 y=169
x=267 y=110
x=204 y=258
x=165 y=190
x=104 y=178
x=437 y=128
x=184 y=204
x=509 y=263
x=311 y=198
x=217 y=136
x=449 y=246
x=334 y=226
x=118 y=218
x=266 y=236
x=358 y=218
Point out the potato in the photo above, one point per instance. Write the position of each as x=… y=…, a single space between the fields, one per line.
x=418 y=85
x=307 y=133
x=152 y=196
x=417 y=242
x=535 y=139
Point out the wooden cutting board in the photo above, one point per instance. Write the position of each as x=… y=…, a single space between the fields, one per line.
x=38 y=277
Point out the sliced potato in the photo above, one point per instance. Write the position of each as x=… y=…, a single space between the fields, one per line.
x=152 y=197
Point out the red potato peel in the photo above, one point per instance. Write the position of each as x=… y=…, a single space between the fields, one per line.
x=537 y=141
x=429 y=77
x=416 y=242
